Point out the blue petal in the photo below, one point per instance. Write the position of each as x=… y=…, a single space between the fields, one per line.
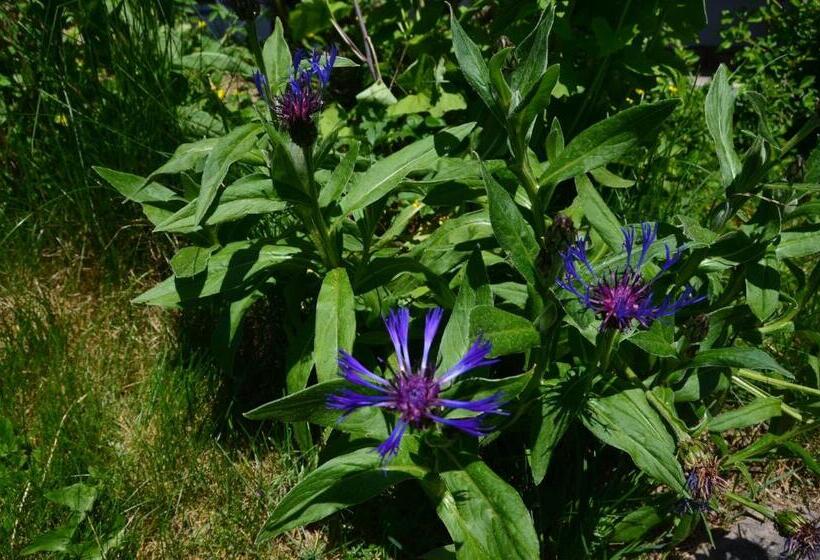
x=390 y=447
x=398 y=327
x=475 y=357
x=353 y=371
x=472 y=426
x=430 y=329
x=348 y=400
x=488 y=405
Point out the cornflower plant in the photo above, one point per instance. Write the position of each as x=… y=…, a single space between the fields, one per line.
x=290 y=202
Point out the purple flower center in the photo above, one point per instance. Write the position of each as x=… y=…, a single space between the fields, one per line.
x=619 y=298
x=415 y=395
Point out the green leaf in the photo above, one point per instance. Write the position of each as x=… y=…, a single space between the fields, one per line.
x=187 y=156
x=474 y=290
x=609 y=179
x=204 y=61
x=340 y=177
x=340 y=483
x=336 y=318
x=251 y=195
x=608 y=140
x=224 y=338
x=484 y=515
x=737 y=357
x=555 y=140
x=78 y=497
x=496 y=67
x=471 y=62
x=799 y=242
x=763 y=286
x=658 y=340
x=384 y=175
x=508 y=333
x=719 y=108
x=533 y=52
x=277 y=58
x=627 y=421
x=636 y=524
x=56 y=540
x=536 y=101
x=560 y=403
x=475 y=388
x=190 y=261
x=310 y=405
x=513 y=232
x=598 y=213
x=228 y=150
x=134 y=188
x=757 y=411
x=232 y=267
x=377 y=93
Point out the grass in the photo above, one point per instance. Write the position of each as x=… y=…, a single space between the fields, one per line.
x=96 y=392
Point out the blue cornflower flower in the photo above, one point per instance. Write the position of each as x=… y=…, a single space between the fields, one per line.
x=415 y=395
x=622 y=296
x=302 y=97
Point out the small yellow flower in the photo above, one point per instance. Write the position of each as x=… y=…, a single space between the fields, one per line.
x=639 y=91
x=201 y=24
x=61 y=119
x=673 y=88
x=220 y=93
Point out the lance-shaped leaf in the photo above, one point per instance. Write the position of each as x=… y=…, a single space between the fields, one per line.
x=340 y=483
x=277 y=58
x=601 y=218
x=384 y=175
x=513 y=232
x=233 y=267
x=627 y=421
x=533 y=52
x=310 y=405
x=158 y=202
x=484 y=515
x=227 y=151
x=737 y=357
x=471 y=63
x=757 y=411
x=607 y=140
x=763 y=286
x=719 y=107
x=336 y=317
x=508 y=333
x=560 y=403
x=474 y=290
x=340 y=178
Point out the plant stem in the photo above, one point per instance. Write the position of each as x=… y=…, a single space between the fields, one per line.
x=325 y=243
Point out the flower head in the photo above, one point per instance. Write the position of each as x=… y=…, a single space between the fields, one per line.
x=414 y=394
x=622 y=296
x=302 y=98
x=802 y=536
x=703 y=481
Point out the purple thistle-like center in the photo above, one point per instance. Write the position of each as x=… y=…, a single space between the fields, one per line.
x=415 y=394
x=622 y=297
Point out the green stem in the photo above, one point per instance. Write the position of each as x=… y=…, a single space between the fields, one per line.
x=757 y=376
x=325 y=244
